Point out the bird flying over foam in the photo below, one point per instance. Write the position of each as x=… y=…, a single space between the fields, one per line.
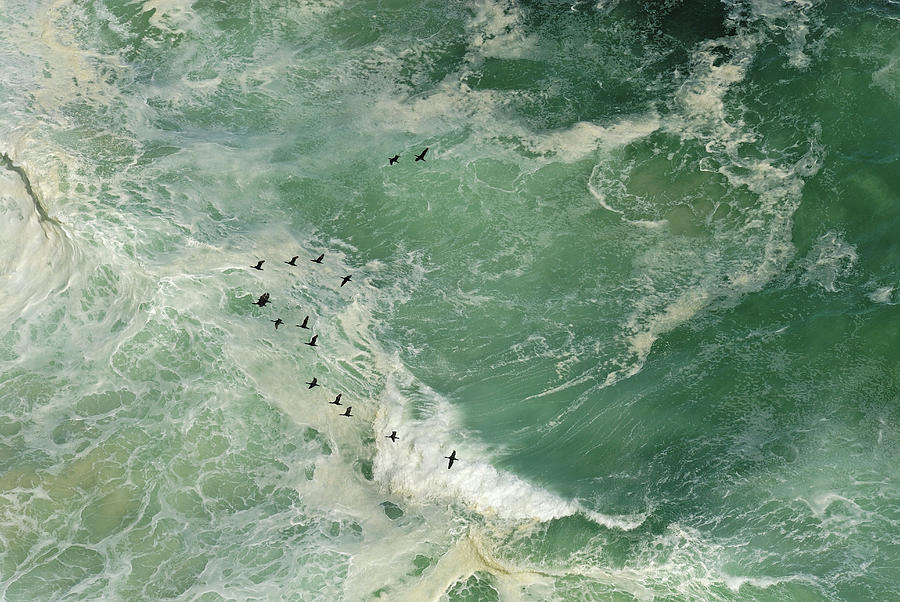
x=263 y=299
x=452 y=457
x=421 y=157
x=258 y=266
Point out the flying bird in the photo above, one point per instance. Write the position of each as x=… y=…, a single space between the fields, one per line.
x=337 y=400
x=293 y=260
x=345 y=280
x=263 y=299
x=347 y=412
x=312 y=383
x=393 y=159
x=312 y=341
x=278 y=322
x=393 y=436
x=305 y=320
x=258 y=266
x=422 y=156
x=318 y=259
x=452 y=457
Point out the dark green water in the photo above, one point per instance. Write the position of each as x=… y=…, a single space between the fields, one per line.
x=645 y=283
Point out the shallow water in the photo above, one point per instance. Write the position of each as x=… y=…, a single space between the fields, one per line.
x=645 y=283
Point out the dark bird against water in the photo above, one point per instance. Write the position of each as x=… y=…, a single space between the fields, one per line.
x=337 y=400
x=305 y=320
x=393 y=436
x=345 y=280
x=422 y=156
x=258 y=266
x=393 y=159
x=278 y=322
x=263 y=299
x=318 y=259
x=452 y=457
x=347 y=412
x=312 y=383
x=312 y=341
x=293 y=259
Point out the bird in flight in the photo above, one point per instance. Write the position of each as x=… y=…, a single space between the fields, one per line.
x=263 y=299
x=393 y=436
x=278 y=322
x=337 y=400
x=305 y=320
x=258 y=266
x=293 y=260
x=312 y=341
x=347 y=412
x=312 y=383
x=318 y=259
x=345 y=280
x=452 y=457
x=393 y=159
x=421 y=157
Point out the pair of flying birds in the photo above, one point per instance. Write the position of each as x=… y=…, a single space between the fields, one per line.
x=419 y=157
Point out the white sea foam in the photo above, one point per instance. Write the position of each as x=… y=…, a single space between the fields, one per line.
x=829 y=260
x=413 y=466
x=497 y=30
x=884 y=294
x=36 y=255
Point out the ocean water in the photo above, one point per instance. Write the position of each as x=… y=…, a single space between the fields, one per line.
x=646 y=283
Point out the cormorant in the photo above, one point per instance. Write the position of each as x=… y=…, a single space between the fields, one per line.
x=452 y=457
x=263 y=299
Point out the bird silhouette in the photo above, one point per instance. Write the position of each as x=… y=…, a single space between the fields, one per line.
x=421 y=157
x=393 y=436
x=452 y=457
x=318 y=259
x=347 y=412
x=305 y=320
x=293 y=260
x=345 y=280
x=312 y=383
x=312 y=341
x=337 y=400
x=393 y=159
x=258 y=266
x=278 y=322
x=263 y=299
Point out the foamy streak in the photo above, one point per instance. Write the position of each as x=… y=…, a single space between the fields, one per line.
x=829 y=260
x=36 y=254
x=414 y=466
x=702 y=115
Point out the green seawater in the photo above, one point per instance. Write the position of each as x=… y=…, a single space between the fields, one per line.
x=645 y=283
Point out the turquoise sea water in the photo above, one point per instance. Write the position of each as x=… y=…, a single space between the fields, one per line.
x=646 y=283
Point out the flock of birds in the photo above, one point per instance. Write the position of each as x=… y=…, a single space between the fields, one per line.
x=264 y=300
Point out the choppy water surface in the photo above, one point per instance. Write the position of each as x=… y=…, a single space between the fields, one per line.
x=645 y=283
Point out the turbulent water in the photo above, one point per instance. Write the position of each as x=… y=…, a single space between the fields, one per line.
x=646 y=283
